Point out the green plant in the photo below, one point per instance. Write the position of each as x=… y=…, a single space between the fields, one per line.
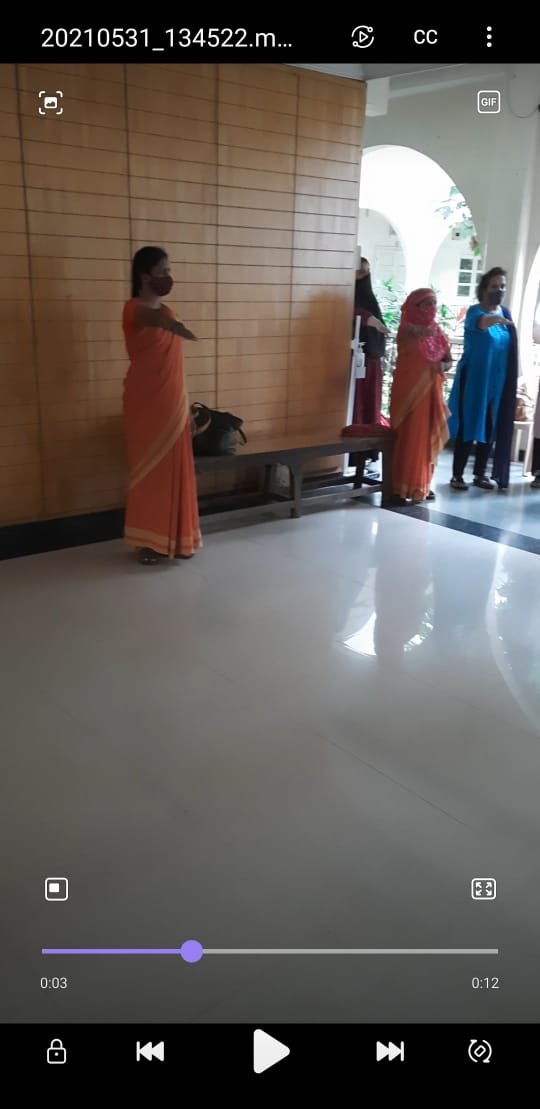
x=446 y=317
x=390 y=300
x=391 y=297
x=457 y=213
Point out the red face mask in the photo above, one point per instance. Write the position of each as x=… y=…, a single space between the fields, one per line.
x=427 y=314
x=161 y=286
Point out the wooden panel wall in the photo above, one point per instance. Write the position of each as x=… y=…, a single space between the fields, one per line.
x=21 y=494
x=249 y=176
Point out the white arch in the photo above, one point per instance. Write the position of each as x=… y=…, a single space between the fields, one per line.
x=407 y=187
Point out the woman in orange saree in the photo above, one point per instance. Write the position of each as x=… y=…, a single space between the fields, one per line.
x=418 y=413
x=162 y=517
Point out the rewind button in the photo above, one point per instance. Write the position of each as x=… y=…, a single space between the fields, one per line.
x=150 y=1051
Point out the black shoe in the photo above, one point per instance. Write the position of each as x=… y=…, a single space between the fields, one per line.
x=483 y=483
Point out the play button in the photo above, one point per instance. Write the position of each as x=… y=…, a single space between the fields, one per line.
x=267 y=1051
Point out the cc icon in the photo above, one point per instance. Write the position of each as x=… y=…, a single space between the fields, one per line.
x=426 y=38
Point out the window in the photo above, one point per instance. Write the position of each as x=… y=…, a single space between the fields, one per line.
x=465 y=277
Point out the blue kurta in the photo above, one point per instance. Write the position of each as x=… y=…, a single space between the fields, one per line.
x=485 y=358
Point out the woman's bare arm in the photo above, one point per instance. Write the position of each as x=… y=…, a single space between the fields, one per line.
x=377 y=325
x=161 y=318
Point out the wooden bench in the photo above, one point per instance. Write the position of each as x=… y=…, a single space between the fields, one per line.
x=294 y=452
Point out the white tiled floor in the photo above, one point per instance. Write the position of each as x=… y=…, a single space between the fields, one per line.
x=312 y=735
x=515 y=510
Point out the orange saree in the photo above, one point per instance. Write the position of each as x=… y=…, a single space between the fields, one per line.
x=162 y=510
x=418 y=413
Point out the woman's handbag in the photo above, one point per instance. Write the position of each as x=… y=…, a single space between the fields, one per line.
x=215 y=432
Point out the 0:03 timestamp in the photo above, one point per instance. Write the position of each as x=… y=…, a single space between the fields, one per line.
x=54 y=983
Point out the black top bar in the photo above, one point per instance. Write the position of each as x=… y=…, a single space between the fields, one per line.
x=433 y=39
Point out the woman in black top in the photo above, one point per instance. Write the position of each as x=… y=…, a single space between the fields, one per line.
x=373 y=332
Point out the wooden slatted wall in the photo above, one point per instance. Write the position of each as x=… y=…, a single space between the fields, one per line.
x=249 y=176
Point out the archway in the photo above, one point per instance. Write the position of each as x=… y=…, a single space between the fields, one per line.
x=420 y=202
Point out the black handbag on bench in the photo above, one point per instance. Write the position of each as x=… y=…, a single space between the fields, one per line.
x=214 y=432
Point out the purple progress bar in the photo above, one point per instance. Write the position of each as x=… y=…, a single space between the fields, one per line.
x=190 y=951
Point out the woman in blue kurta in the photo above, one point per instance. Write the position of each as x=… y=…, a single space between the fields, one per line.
x=482 y=402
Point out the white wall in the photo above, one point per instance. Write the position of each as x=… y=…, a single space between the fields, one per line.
x=445 y=272
x=381 y=244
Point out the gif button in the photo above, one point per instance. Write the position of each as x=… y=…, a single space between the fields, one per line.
x=489 y=102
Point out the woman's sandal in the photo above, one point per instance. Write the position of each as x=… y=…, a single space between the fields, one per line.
x=147 y=557
x=422 y=500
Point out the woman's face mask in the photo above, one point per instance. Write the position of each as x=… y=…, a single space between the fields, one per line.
x=161 y=286
x=496 y=296
x=427 y=312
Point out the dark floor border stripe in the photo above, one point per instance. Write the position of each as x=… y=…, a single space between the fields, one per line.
x=41 y=536
x=471 y=527
x=19 y=540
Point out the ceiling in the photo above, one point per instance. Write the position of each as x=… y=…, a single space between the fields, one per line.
x=358 y=72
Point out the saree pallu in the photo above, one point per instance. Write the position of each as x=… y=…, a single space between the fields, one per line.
x=162 y=509
x=418 y=415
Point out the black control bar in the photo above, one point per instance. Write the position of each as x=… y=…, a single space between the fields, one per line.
x=375 y=39
x=250 y=1054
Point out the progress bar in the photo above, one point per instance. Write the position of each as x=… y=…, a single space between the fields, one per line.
x=192 y=951
x=353 y=951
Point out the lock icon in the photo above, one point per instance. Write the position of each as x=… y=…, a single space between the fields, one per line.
x=56 y=1053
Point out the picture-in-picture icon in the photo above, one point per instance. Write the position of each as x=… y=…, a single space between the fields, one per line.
x=56 y=889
